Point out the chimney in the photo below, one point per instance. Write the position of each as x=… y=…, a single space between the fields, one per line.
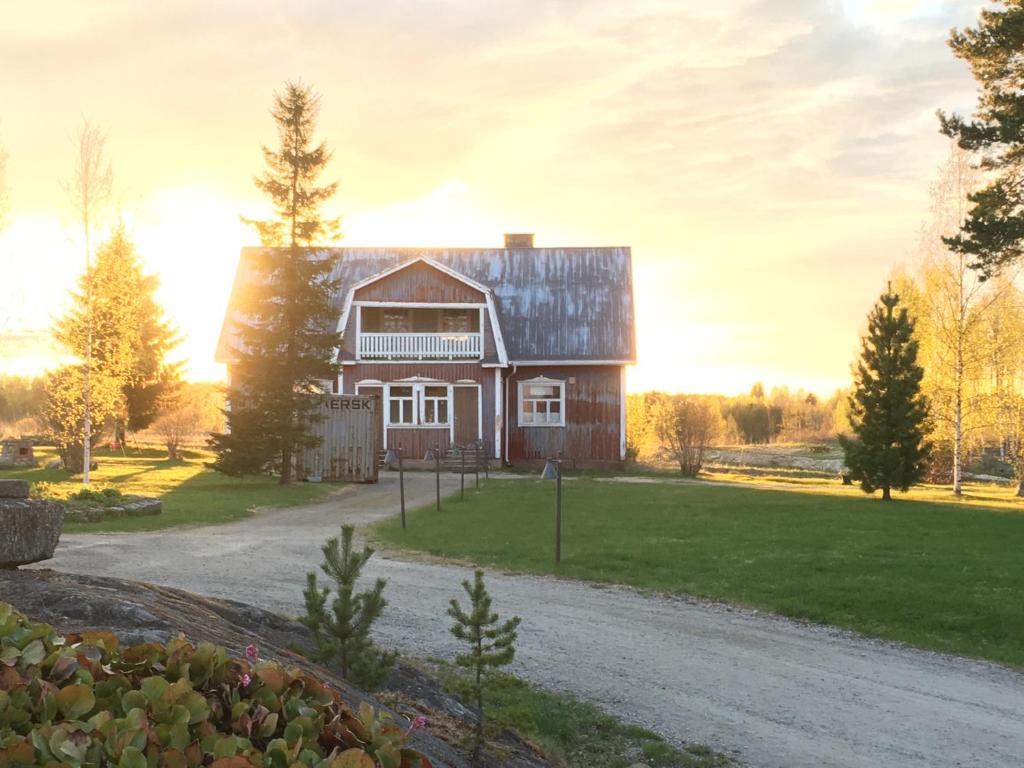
x=519 y=240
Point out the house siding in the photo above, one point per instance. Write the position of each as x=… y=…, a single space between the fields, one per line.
x=416 y=439
x=591 y=435
x=420 y=282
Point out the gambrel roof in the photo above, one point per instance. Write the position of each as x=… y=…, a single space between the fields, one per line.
x=552 y=304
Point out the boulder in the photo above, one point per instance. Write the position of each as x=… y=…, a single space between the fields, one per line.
x=13 y=489
x=29 y=530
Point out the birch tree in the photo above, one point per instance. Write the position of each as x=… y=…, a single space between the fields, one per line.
x=88 y=190
x=952 y=311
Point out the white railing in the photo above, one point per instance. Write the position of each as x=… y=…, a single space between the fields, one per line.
x=420 y=346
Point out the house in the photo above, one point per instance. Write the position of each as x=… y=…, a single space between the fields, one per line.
x=523 y=348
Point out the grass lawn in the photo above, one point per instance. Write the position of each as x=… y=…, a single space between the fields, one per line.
x=191 y=493
x=942 y=576
x=569 y=732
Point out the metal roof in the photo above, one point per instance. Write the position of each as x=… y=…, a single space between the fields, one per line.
x=566 y=304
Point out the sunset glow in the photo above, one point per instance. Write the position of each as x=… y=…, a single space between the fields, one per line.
x=767 y=162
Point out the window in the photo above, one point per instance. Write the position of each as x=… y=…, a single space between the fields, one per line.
x=435 y=406
x=541 y=403
x=401 y=406
x=424 y=405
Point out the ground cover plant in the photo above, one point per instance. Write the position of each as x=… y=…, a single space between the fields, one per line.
x=81 y=700
x=943 y=576
x=192 y=494
x=570 y=733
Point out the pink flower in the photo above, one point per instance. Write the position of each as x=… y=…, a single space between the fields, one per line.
x=245 y=680
x=251 y=653
x=418 y=724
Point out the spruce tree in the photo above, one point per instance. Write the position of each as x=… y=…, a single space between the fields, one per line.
x=993 y=233
x=491 y=644
x=285 y=338
x=888 y=413
x=342 y=631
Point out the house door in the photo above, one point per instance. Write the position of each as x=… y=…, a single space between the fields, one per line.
x=467 y=414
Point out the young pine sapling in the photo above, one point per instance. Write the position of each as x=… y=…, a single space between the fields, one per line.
x=491 y=644
x=342 y=632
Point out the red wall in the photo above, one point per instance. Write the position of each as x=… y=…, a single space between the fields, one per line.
x=592 y=415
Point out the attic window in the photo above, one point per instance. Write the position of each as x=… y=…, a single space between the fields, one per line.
x=542 y=403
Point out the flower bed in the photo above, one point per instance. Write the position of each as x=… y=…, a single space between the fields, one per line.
x=81 y=700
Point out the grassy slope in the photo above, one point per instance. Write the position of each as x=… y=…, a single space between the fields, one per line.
x=191 y=493
x=570 y=732
x=941 y=576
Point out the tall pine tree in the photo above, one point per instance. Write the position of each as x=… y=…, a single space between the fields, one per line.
x=285 y=338
x=993 y=233
x=888 y=413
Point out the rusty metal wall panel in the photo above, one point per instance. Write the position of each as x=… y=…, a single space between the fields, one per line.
x=351 y=440
x=592 y=416
x=419 y=282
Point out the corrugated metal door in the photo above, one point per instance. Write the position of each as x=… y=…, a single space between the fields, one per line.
x=350 y=431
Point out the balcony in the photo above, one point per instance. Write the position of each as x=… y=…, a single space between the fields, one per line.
x=421 y=346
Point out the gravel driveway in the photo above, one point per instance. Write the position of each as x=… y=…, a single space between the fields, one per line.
x=771 y=691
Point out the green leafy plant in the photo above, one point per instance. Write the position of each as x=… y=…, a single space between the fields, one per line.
x=491 y=644
x=342 y=632
x=81 y=701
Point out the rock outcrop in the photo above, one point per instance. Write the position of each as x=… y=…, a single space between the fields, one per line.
x=29 y=529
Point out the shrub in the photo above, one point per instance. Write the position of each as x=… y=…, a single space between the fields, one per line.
x=98 y=495
x=81 y=701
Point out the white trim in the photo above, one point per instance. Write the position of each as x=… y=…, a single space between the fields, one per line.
x=560 y=383
x=622 y=415
x=370 y=382
x=428 y=261
x=574 y=362
x=418 y=304
x=499 y=341
x=341 y=382
x=359 y=331
x=479 y=407
x=499 y=414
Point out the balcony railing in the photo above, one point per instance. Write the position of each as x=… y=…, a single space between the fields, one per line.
x=421 y=346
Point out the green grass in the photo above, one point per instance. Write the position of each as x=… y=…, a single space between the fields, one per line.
x=569 y=732
x=942 y=576
x=191 y=493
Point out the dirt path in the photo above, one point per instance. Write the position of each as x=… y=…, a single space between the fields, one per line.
x=777 y=692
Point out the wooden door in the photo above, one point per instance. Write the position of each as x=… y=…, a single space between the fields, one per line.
x=467 y=414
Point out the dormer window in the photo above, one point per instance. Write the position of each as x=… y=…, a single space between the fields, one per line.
x=542 y=402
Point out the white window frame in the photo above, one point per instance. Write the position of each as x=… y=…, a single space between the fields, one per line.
x=418 y=405
x=447 y=400
x=543 y=381
x=408 y=402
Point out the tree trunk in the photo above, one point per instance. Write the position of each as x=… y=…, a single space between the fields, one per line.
x=886 y=495
x=286 y=465
x=958 y=432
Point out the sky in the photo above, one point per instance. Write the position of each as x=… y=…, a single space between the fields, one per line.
x=767 y=161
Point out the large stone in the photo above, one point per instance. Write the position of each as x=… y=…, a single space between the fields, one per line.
x=13 y=489
x=29 y=530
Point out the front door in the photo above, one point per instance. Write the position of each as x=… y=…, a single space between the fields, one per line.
x=467 y=414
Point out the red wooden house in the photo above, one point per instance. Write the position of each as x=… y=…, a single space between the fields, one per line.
x=523 y=348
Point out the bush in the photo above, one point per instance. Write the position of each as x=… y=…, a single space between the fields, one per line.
x=98 y=495
x=82 y=701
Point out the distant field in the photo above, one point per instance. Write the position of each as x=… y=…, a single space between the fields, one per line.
x=943 y=576
x=191 y=493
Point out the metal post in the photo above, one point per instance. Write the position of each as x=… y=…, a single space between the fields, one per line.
x=437 y=474
x=558 y=513
x=401 y=483
x=462 y=474
x=476 y=464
